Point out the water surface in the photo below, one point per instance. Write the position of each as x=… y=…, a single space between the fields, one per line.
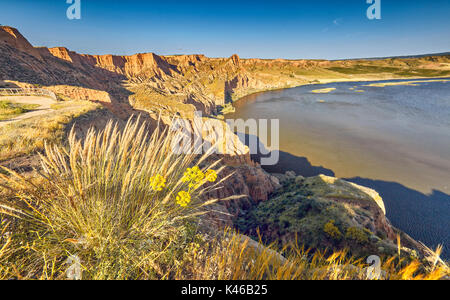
x=395 y=139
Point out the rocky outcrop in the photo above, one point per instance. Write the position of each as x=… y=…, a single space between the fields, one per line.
x=324 y=213
x=357 y=196
x=249 y=181
x=142 y=64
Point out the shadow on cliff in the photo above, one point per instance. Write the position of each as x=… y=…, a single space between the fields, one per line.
x=424 y=217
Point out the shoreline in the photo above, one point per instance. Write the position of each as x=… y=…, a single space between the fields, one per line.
x=431 y=79
x=328 y=81
x=398 y=193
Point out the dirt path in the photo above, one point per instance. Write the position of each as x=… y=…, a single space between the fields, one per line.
x=44 y=108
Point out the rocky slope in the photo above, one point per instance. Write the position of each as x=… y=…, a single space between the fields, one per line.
x=323 y=213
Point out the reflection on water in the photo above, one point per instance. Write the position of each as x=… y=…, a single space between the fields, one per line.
x=395 y=139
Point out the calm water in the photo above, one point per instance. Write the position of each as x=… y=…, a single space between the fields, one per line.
x=395 y=139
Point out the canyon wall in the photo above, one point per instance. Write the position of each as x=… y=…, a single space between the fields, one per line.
x=186 y=82
x=111 y=80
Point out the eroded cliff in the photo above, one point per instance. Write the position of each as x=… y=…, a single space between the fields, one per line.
x=185 y=83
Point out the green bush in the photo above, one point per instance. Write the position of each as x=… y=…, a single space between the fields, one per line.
x=357 y=234
x=332 y=231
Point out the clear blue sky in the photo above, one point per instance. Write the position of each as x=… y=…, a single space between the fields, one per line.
x=265 y=29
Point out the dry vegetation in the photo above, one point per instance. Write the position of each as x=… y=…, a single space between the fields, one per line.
x=120 y=202
x=29 y=135
x=232 y=258
x=124 y=206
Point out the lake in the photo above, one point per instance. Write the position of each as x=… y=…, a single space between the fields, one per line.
x=392 y=136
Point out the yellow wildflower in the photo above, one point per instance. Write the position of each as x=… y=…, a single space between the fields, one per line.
x=183 y=198
x=211 y=175
x=157 y=183
x=193 y=174
x=190 y=172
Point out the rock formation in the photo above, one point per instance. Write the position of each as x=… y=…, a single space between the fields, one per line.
x=325 y=213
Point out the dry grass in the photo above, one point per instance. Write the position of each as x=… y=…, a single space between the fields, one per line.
x=97 y=204
x=230 y=257
x=28 y=136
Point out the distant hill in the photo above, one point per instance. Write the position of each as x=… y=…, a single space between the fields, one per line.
x=401 y=57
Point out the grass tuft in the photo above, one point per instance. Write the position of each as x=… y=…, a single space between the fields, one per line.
x=98 y=204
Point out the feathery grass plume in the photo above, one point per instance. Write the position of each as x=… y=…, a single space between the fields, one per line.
x=437 y=266
x=108 y=204
x=109 y=200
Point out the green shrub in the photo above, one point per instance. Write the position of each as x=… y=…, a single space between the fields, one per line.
x=332 y=231
x=9 y=110
x=357 y=234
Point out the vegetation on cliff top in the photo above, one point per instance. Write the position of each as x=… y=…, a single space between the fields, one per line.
x=322 y=213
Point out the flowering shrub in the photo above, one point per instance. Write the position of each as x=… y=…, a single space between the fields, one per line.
x=120 y=200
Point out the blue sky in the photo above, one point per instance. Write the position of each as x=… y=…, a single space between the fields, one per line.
x=264 y=29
